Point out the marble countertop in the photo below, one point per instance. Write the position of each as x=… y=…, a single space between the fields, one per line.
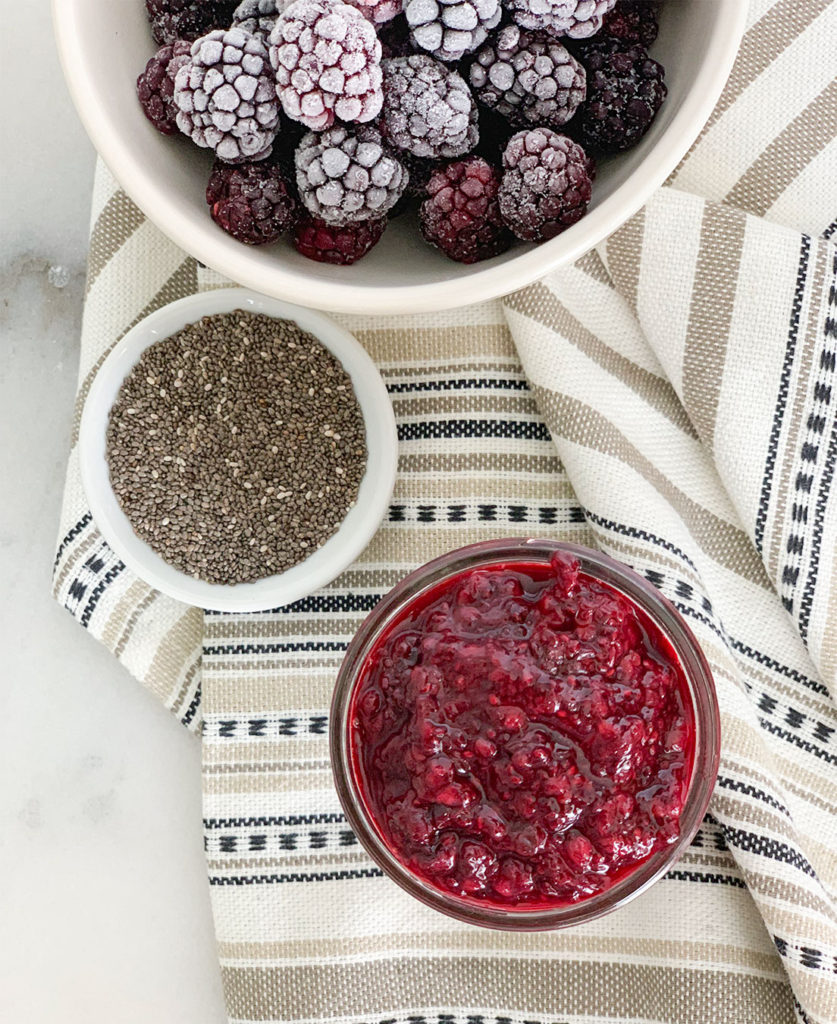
x=105 y=901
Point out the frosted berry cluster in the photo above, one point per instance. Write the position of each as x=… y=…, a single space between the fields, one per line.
x=171 y=20
x=448 y=29
x=529 y=78
x=546 y=185
x=345 y=176
x=428 y=109
x=225 y=96
x=478 y=119
x=258 y=17
x=578 y=19
x=155 y=86
x=461 y=215
x=327 y=61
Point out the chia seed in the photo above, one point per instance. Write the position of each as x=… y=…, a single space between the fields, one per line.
x=236 y=447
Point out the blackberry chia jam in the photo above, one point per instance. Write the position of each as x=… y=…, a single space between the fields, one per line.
x=526 y=734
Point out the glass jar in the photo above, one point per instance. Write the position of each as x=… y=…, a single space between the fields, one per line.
x=706 y=725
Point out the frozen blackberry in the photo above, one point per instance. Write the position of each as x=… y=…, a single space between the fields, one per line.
x=252 y=201
x=576 y=18
x=345 y=176
x=225 y=96
x=378 y=11
x=625 y=89
x=155 y=86
x=428 y=109
x=327 y=60
x=632 y=21
x=327 y=243
x=187 y=19
x=529 y=78
x=258 y=17
x=448 y=29
x=546 y=185
x=461 y=215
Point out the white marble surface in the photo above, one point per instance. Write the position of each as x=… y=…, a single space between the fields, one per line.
x=105 y=908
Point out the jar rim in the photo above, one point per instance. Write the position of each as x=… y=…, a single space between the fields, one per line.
x=695 y=670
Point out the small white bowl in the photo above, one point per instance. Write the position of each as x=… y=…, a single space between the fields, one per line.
x=104 y=45
x=323 y=565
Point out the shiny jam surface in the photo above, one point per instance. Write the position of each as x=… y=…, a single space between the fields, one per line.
x=522 y=735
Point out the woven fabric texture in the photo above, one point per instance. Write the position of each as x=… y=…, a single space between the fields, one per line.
x=670 y=398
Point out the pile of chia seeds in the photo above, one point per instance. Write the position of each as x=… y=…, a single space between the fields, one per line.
x=236 y=447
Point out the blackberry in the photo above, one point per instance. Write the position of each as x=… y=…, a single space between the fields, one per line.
x=258 y=17
x=461 y=215
x=632 y=21
x=625 y=89
x=379 y=12
x=327 y=61
x=343 y=246
x=251 y=201
x=345 y=176
x=576 y=18
x=225 y=96
x=448 y=29
x=155 y=86
x=529 y=78
x=187 y=19
x=428 y=109
x=546 y=185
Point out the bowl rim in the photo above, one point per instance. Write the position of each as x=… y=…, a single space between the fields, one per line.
x=707 y=724
x=486 y=283
x=322 y=566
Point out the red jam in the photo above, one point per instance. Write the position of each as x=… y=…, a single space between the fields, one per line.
x=523 y=735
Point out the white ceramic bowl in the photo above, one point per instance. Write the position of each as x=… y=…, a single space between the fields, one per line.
x=323 y=565
x=104 y=45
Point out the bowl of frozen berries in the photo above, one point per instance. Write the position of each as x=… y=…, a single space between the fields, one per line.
x=386 y=156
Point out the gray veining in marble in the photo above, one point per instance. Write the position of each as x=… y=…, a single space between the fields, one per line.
x=105 y=906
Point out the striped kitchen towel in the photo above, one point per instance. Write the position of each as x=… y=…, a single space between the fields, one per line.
x=670 y=398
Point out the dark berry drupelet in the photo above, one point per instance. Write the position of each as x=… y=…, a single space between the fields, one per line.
x=343 y=246
x=251 y=201
x=461 y=215
x=625 y=89
x=155 y=86
x=546 y=184
x=187 y=19
x=632 y=21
